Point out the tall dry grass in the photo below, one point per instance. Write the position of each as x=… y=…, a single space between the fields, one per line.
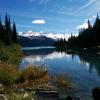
x=9 y=73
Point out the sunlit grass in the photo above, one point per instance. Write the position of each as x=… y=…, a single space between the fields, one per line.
x=34 y=77
x=32 y=73
x=10 y=74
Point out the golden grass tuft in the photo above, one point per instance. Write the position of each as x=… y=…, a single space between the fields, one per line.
x=62 y=82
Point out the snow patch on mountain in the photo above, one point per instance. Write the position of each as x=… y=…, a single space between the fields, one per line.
x=30 y=33
x=58 y=36
x=55 y=36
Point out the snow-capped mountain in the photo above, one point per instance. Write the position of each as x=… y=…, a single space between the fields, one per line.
x=29 y=33
x=56 y=36
x=30 y=38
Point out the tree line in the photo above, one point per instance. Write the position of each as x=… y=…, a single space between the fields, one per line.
x=89 y=37
x=8 y=33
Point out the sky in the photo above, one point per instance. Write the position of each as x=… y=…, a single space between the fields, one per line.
x=50 y=16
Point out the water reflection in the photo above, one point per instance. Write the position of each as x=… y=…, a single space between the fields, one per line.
x=82 y=67
x=41 y=57
x=91 y=62
x=92 y=59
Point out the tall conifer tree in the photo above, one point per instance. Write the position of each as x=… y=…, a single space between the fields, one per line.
x=8 y=35
x=14 y=33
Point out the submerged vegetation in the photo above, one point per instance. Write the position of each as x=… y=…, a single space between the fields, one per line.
x=62 y=81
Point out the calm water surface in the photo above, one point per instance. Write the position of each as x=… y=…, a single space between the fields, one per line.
x=83 y=68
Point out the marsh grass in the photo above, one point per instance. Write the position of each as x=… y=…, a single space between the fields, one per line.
x=10 y=74
x=62 y=81
x=33 y=73
x=32 y=77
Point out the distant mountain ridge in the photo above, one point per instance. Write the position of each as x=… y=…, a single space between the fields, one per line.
x=55 y=36
x=30 y=38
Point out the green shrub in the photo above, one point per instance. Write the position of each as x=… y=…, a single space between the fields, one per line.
x=11 y=54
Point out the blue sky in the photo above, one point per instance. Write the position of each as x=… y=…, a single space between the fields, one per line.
x=56 y=16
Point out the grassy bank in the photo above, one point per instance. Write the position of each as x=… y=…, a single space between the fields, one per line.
x=10 y=57
x=13 y=80
x=11 y=54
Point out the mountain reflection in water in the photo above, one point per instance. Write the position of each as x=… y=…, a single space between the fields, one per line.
x=82 y=67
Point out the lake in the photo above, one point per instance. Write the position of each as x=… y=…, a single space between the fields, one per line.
x=82 y=67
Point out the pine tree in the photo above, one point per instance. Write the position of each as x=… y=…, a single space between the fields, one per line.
x=96 y=28
x=96 y=23
x=89 y=24
x=1 y=31
x=1 y=28
x=6 y=39
x=14 y=33
x=8 y=33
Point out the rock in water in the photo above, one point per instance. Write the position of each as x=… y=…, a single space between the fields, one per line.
x=96 y=93
x=26 y=95
x=1 y=88
x=3 y=97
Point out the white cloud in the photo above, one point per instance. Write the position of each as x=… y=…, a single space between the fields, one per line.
x=71 y=11
x=84 y=25
x=87 y=4
x=39 y=21
x=90 y=8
